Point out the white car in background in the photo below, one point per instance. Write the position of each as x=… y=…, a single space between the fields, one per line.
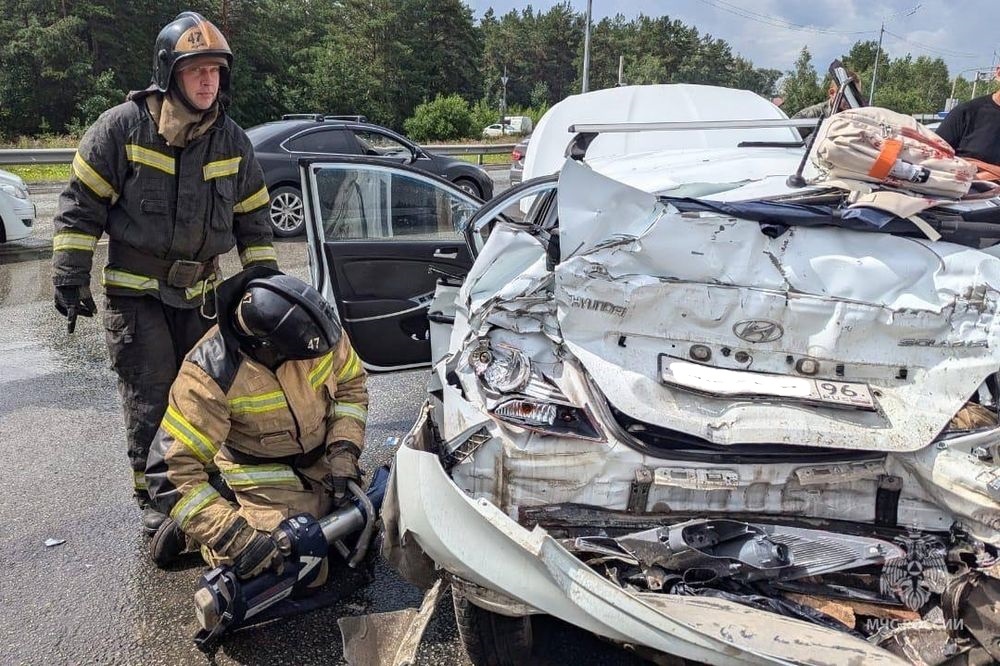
x=498 y=129
x=680 y=404
x=17 y=212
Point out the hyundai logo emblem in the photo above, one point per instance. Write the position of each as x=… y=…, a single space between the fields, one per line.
x=758 y=330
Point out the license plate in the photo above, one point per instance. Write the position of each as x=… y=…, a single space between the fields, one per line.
x=739 y=384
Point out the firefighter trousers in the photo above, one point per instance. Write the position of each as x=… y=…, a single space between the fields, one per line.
x=147 y=341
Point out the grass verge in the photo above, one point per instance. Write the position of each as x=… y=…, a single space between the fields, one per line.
x=503 y=158
x=40 y=173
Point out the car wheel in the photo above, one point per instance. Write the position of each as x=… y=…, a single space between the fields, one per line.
x=286 y=213
x=470 y=186
x=491 y=639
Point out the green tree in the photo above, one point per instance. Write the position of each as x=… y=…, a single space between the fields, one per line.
x=36 y=59
x=445 y=48
x=861 y=58
x=440 y=120
x=646 y=69
x=539 y=96
x=533 y=47
x=484 y=113
x=906 y=84
x=103 y=94
x=799 y=87
x=762 y=81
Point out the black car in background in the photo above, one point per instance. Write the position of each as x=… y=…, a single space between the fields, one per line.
x=280 y=144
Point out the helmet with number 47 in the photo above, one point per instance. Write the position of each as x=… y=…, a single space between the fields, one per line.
x=281 y=318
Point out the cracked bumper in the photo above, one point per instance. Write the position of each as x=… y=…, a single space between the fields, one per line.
x=474 y=540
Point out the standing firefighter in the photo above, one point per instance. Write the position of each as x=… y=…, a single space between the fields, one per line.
x=174 y=183
x=270 y=406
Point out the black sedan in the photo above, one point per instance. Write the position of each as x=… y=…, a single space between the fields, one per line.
x=280 y=144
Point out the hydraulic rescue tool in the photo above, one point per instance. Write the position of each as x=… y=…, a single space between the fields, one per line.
x=224 y=603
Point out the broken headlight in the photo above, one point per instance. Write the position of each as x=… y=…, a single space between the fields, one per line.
x=548 y=417
x=503 y=370
x=524 y=396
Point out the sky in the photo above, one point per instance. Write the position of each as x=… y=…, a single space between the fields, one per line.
x=964 y=33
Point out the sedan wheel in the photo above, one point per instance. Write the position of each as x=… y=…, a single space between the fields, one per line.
x=469 y=186
x=285 y=212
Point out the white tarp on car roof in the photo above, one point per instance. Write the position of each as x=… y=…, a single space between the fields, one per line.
x=658 y=103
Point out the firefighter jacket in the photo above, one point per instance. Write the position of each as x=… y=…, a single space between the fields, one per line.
x=259 y=428
x=169 y=212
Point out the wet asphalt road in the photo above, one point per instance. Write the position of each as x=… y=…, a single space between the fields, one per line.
x=96 y=598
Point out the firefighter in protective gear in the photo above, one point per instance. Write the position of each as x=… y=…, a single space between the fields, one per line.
x=266 y=420
x=173 y=182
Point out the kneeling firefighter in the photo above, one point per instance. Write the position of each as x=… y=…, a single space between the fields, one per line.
x=266 y=420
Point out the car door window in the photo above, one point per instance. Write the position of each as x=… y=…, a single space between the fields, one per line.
x=368 y=202
x=527 y=203
x=326 y=141
x=376 y=144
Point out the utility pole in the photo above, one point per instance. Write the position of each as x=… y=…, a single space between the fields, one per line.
x=621 y=71
x=503 y=99
x=586 y=51
x=878 y=52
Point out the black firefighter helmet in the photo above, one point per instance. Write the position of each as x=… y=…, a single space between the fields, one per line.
x=187 y=36
x=281 y=318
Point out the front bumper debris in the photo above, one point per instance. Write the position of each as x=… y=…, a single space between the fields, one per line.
x=473 y=540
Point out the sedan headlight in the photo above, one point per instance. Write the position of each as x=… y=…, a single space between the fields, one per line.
x=15 y=191
x=552 y=418
x=504 y=370
x=524 y=397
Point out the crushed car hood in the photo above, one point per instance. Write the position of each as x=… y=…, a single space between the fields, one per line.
x=641 y=287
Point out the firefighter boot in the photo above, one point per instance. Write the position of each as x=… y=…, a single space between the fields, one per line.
x=167 y=543
x=151 y=518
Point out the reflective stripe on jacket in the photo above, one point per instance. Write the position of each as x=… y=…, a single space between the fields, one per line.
x=188 y=204
x=223 y=406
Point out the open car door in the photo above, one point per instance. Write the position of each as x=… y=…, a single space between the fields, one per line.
x=380 y=237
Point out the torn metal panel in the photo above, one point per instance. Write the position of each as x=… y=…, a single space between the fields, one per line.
x=388 y=639
x=397 y=546
x=911 y=320
x=961 y=483
x=746 y=551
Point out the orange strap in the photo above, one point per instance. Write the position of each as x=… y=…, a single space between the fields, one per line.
x=891 y=148
x=987 y=171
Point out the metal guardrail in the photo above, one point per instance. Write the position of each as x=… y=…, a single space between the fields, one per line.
x=37 y=156
x=477 y=149
x=65 y=155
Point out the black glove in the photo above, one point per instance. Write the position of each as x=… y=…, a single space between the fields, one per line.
x=257 y=556
x=342 y=459
x=72 y=301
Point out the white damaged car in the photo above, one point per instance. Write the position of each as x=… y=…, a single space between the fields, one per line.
x=710 y=428
x=17 y=212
